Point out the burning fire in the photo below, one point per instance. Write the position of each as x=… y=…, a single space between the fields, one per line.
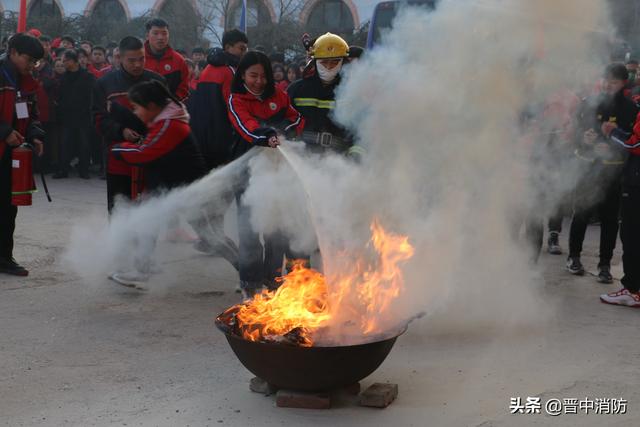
x=306 y=302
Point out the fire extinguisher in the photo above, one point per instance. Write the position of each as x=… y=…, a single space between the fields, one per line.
x=22 y=182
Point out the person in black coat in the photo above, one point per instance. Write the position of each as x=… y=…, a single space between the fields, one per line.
x=74 y=114
x=599 y=190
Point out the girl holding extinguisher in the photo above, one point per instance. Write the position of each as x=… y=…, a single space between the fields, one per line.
x=168 y=155
x=259 y=112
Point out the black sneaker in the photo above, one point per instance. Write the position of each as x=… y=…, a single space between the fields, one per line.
x=574 y=266
x=604 y=274
x=553 y=244
x=10 y=266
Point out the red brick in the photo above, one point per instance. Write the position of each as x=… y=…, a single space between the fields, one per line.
x=298 y=399
x=379 y=395
x=353 y=389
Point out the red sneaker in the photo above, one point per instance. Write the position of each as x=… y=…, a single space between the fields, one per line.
x=622 y=297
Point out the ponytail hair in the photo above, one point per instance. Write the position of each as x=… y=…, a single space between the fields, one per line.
x=152 y=91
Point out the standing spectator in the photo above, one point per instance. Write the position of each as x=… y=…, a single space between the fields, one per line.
x=58 y=68
x=279 y=77
x=99 y=66
x=214 y=135
x=113 y=114
x=115 y=59
x=208 y=104
x=599 y=190
x=193 y=80
x=293 y=73
x=45 y=75
x=83 y=58
x=197 y=55
x=17 y=90
x=163 y=60
x=87 y=46
x=629 y=295
x=67 y=42
x=74 y=114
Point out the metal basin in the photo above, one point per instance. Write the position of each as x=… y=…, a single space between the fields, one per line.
x=309 y=368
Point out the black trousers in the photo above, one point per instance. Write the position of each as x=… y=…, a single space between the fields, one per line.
x=258 y=262
x=117 y=186
x=630 y=236
x=607 y=210
x=75 y=141
x=8 y=212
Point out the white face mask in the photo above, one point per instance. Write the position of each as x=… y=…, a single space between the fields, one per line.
x=327 y=75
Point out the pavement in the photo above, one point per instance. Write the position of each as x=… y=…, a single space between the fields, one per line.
x=74 y=353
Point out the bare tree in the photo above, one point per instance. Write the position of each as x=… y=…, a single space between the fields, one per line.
x=213 y=17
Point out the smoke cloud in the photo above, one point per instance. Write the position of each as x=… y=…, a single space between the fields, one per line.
x=438 y=108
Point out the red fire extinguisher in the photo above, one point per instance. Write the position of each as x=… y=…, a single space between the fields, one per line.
x=22 y=183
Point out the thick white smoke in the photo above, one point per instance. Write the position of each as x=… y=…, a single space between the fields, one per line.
x=438 y=108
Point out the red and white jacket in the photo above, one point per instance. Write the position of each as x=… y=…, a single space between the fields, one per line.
x=256 y=119
x=99 y=72
x=168 y=153
x=172 y=66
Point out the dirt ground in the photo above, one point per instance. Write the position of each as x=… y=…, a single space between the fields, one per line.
x=96 y=354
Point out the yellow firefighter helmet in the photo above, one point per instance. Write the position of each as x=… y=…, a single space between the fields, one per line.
x=330 y=46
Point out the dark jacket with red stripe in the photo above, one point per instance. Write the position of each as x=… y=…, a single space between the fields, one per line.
x=170 y=65
x=99 y=72
x=208 y=108
x=169 y=154
x=630 y=141
x=307 y=96
x=599 y=109
x=256 y=120
x=112 y=111
x=10 y=84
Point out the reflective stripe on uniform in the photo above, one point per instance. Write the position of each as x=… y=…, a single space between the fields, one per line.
x=314 y=102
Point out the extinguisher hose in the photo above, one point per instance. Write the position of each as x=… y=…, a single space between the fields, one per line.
x=44 y=185
x=44 y=181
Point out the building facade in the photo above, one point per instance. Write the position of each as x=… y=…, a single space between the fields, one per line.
x=332 y=15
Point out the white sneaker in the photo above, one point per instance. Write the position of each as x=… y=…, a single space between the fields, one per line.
x=131 y=279
x=622 y=297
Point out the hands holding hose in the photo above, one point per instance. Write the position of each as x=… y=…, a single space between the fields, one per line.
x=273 y=141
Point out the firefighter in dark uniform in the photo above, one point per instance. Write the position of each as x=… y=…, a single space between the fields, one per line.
x=18 y=124
x=314 y=97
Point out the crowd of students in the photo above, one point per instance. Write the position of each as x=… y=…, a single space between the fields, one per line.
x=145 y=117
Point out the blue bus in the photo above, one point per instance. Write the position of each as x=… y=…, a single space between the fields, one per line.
x=383 y=16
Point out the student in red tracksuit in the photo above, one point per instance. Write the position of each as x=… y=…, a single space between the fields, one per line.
x=98 y=65
x=18 y=124
x=162 y=59
x=629 y=295
x=168 y=154
x=258 y=112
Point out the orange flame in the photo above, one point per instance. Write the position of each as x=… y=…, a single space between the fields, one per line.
x=304 y=303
